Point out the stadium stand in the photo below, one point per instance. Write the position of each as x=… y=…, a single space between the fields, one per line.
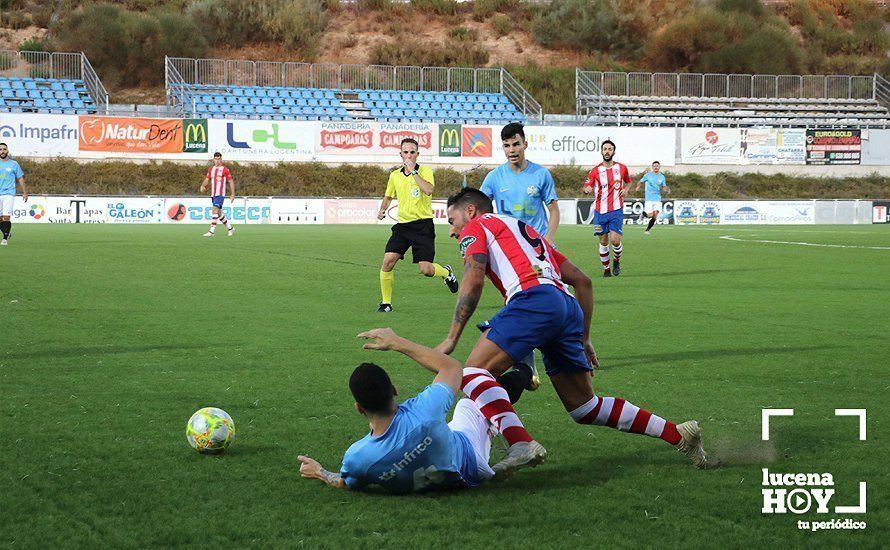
x=56 y=83
x=302 y=91
x=656 y=99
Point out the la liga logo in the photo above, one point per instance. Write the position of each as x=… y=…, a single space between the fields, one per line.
x=37 y=211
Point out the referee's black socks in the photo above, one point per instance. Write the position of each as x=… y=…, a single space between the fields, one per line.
x=651 y=223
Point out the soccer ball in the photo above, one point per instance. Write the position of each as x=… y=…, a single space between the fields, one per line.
x=210 y=430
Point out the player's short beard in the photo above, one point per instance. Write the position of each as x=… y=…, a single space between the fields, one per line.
x=4 y=154
x=609 y=157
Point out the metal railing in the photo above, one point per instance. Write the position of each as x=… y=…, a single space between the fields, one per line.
x=732 y=85
x=881 y=91
x=94 y=85
x=591 y=102
x=187 y=72
x=56 y=65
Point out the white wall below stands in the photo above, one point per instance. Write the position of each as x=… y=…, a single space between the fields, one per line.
x=301 y=211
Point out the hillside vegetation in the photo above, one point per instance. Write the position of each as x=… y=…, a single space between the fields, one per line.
x=540 y=43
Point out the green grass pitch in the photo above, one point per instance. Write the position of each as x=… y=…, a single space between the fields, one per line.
x=112 y=336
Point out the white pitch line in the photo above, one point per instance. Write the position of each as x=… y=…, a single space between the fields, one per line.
x=728 y=238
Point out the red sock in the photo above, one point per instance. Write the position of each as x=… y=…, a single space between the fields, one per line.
x=492 y=399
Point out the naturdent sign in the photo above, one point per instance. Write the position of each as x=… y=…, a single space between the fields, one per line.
x=194 y=131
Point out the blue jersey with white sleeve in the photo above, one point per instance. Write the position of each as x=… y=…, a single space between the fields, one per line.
x=10 y=172
x=654 y=183
x=418 y=452
x=523 y=196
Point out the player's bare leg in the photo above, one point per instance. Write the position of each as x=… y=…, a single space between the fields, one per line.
x=604 y=254
x=486 y=361
x=617 y=249
x=387 y=280
x=575 y=390
x=213 y=221
x=652 y=218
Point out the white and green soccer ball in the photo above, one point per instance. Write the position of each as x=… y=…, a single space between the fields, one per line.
x=210 y=430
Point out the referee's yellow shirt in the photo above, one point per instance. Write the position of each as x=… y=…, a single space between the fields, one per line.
x=414 y=204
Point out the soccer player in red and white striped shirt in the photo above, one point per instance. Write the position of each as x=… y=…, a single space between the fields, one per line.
x=608 y=181
x=540 y=312
x=217 y=177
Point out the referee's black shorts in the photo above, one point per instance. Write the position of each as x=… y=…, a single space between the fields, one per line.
x=419 y=236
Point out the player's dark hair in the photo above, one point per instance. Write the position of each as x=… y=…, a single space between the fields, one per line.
x=217 y=154
x=371 y=388
x=610 y=142
x=410 y=140
x=656 y=162
x=470 y=195
x=4 y=144
x=512 y=129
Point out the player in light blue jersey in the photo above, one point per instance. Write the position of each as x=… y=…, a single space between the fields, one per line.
x=655 y=183
x=10 y=174
x=522 y=189
x=411 y=447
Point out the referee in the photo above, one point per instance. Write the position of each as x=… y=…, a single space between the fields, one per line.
x=412 y=184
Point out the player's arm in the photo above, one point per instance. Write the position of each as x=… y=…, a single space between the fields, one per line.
x=625 y=182
x=310 y=468
x=584 y=293
x=425 y=186
x=587 y=186
x=231 y=188
x=553 y=208
x=24 y=187
x=384 y=205
x=448 y=370
x=204 y=185
x=468 y=298
x=666 y=189
x=639 y=184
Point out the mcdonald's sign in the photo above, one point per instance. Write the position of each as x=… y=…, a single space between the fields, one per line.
x=449 y=140
x=195 y=135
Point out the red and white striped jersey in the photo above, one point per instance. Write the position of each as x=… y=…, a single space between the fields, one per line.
x=606 y=184
x=218 y=176
x=518 y=258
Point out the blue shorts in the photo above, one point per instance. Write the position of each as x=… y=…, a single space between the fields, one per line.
x=546 y=318
x=610 y=221
x=217 y=200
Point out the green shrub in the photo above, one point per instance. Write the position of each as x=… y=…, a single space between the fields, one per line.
x=35 y=44
x=584 y=25
x=439 y=7
x=15 y=20
x=501 y=24
x=428 y=54
x=298 y=23
x=483 y=9
x=41 y=17
x=128 y=48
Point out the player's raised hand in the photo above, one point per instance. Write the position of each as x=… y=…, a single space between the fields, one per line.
x=383 y=339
